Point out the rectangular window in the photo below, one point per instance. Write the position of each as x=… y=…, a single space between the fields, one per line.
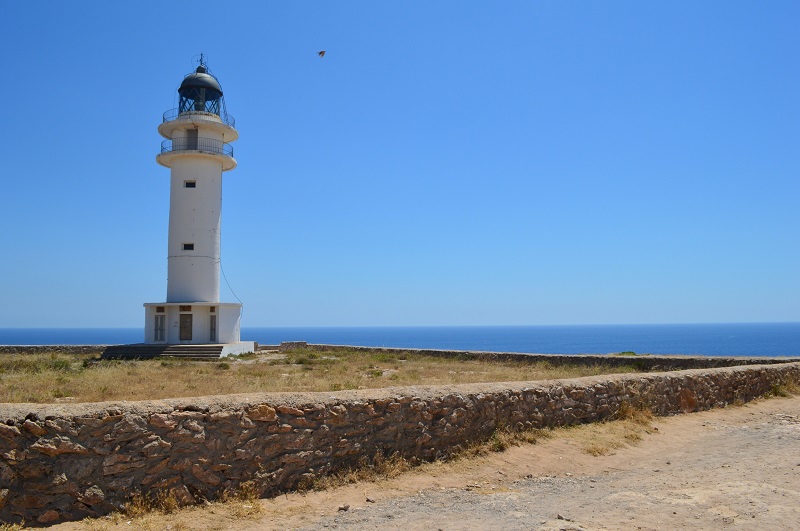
x=159 y=329
x=190 y=184
x=213 y=329
x=159 y=309
x=185 y=308
x=212 y=309
x=188 y=247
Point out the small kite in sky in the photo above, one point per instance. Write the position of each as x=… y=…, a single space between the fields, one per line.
x=321 y=53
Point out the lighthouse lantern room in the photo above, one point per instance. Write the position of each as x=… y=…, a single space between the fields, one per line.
x=197 y=151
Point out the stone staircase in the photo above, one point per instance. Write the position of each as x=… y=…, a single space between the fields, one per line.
x=146 y=351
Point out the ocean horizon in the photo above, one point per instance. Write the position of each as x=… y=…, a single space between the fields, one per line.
x=726 y=339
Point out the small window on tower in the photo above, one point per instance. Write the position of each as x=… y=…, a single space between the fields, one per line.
x=213 y=309
x=190 y=184
x=183 y=308
x=188 y=247
x=159 y=309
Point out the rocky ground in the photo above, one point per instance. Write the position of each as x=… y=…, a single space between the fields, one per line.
x=737 y=467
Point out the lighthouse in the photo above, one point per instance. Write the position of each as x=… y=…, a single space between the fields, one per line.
x=197 y=151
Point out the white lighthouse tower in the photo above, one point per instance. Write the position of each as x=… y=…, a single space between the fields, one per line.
x=197 y=151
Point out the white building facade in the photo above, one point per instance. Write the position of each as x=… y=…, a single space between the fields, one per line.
x=197 y=151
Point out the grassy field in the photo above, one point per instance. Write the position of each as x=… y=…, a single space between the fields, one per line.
x=61 y=377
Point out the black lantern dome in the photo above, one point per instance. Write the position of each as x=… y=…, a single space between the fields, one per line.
x=200 y=91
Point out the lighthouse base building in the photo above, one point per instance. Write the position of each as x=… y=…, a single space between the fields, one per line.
x=196 y=323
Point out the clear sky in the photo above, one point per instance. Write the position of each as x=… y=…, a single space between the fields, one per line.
x=445 y=163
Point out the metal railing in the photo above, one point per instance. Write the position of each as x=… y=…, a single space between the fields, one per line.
x=202 y=145
x=224 y=117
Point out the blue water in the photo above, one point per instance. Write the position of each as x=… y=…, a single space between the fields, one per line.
x=754 y=339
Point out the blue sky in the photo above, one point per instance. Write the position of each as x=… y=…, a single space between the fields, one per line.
x=445 y=163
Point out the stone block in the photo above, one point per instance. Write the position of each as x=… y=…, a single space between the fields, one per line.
x=288 y=410
x=262 y=413
x=117 y=463
x=94 y=495
x=9 y=432
x=205 y=475
x=161 y=420
x=58 y=445
x=61 y=426
x=48 y=517
x=33 y=428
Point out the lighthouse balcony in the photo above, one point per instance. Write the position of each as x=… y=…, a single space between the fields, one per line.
x=175 y=122
x=170 y=149
x=200 y=145
x=192 y=116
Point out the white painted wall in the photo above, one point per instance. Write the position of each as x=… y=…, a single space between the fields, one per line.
x=194 y=217
x=229 y=322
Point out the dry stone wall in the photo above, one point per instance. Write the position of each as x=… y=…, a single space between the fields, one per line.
x=64 y=462
x=38 y=349
x=645 y=362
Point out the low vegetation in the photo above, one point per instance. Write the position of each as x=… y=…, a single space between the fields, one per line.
x=152 y=512
x=629 y=426
x=242 y=502
x=63 y=377
x=788 y=388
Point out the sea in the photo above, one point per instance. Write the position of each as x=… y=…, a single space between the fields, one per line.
x=731 y=339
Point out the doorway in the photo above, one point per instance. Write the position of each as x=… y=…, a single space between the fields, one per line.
x=160 y=328
x=191 y=139
x=186 y=327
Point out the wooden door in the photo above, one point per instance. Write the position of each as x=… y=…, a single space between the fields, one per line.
x=186 y=327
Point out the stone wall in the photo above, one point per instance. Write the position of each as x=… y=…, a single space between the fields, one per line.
x=640 y=362
x=38 y=349
x=62 y=462
x=647 y=362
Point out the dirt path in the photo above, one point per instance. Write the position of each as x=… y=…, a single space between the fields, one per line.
x=735 y=467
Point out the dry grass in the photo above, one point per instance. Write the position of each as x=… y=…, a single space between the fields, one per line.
x=243 y=502
x=153 y=521
x=60 y=377
x=628 y=427
x=163 y=502
x=381 y=467
x=790 y=387
x=503 y=439
x=145 y=512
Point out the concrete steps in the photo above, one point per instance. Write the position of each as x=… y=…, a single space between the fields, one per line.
x=146 y=351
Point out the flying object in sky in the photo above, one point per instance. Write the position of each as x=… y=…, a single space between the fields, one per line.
x=321 y=53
